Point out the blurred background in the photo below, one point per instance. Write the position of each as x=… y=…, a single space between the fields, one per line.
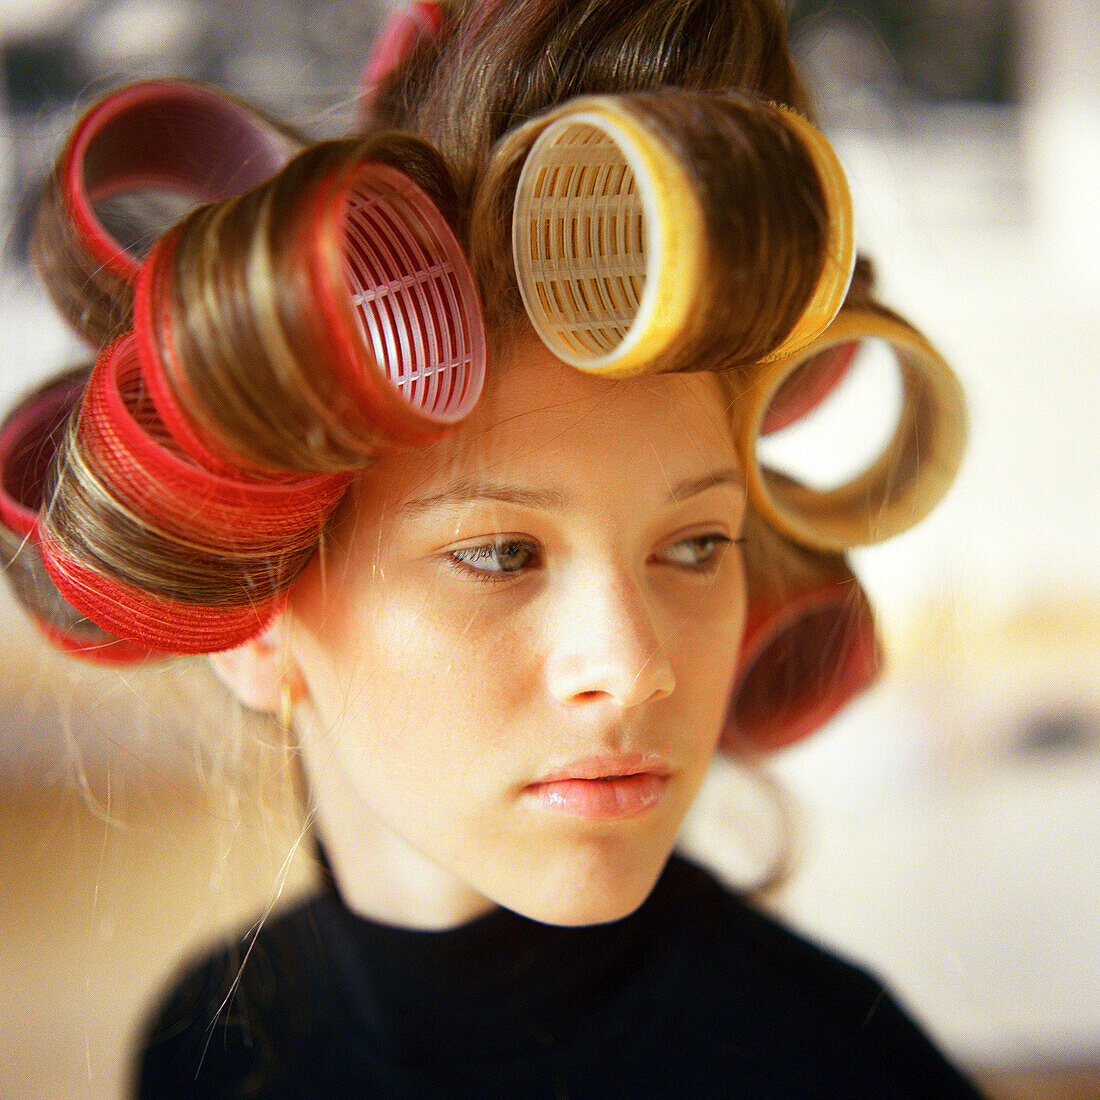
x=946 y=825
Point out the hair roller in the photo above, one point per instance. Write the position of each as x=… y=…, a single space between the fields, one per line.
x=28 y=442
x=839 y=259
x=672 y=230
x=802 y=391
x=152 y=546
x=323 y=316
x=809 y=645
x=820 y=372
x=168 y=135
x=899 y=487
x=403 y=29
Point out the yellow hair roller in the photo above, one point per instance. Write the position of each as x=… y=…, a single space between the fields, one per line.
x=645 y=229
x=905 y=481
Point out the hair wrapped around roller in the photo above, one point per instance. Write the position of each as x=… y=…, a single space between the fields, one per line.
x=658 y=201
x=670 y=230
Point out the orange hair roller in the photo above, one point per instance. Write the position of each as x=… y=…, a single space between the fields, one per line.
x=643 y=229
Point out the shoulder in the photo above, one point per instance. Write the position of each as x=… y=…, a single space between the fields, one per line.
x=795 y=1017
x=728 y=927
x=242 y=1015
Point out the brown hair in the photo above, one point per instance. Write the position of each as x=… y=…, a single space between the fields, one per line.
x=493 y=66
x=496 y=64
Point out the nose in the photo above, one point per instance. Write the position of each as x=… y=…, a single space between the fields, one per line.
x=606 y=645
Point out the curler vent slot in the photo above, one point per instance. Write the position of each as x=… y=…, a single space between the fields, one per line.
x=412 y=305
x=581 y=235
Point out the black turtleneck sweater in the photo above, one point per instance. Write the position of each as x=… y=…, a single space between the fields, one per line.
x=694 y=995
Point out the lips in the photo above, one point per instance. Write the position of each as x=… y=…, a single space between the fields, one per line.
x=603 y=788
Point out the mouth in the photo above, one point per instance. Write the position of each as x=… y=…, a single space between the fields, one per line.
x=603 y=788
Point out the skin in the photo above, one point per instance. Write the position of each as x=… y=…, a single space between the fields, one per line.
x=557 y=580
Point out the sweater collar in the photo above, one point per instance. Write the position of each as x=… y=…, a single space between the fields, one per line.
x=500 y=974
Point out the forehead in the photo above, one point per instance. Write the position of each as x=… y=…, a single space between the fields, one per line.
x=540 y=419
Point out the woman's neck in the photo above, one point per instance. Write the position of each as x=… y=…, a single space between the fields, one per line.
x=379 y=874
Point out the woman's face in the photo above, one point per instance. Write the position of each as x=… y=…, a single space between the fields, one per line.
x=518 y=648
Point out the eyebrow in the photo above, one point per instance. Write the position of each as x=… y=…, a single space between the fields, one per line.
x=552 y=500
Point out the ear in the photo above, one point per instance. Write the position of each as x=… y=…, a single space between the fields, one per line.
x=259 y=672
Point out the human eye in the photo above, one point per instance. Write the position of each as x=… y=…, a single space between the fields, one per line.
x=495 y=560
x=699 y=553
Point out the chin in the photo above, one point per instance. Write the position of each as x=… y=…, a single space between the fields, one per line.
x=588 y=891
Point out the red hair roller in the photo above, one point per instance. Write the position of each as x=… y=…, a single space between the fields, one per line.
x=809 y=646
x=380 y=340
x=403 y=29
x=809 y=386
x=124 y=439
x=157 y=135
x=265 y=529
x=172 y=626
x=354 y=319
x=28 y=441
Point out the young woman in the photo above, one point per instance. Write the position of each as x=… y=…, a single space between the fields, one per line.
x=492 y=541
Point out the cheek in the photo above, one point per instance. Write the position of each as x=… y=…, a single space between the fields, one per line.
x=708 y=648
x=433 y=689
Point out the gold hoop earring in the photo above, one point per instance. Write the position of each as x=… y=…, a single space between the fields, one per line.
x=284 y=715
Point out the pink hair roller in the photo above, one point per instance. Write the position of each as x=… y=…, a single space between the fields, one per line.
x=374 y=337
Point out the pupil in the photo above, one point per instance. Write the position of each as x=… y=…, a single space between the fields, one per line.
x=510 y=554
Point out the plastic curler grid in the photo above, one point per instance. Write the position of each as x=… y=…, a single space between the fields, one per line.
x=899 y=487
x=412 y=297
x=28 y=442
x=581 y=239
x=591 y=206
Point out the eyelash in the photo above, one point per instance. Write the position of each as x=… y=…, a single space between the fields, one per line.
x=716 y=542
x=463 y=559
x=459 y=560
